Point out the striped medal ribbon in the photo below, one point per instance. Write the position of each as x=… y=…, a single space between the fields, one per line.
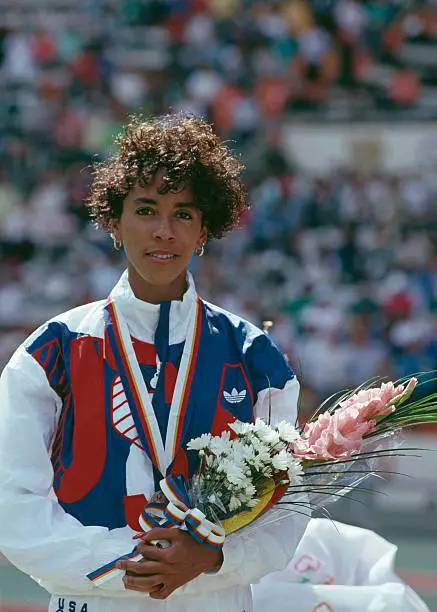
x=137 y=395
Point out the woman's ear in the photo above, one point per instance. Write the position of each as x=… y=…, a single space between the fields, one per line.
x=203 y=236
x=114 y=228
x=115 y=234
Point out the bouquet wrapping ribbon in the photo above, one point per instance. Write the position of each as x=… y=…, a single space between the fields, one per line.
x=177 y=513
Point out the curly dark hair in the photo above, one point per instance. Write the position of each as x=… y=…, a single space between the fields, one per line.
x=192 y=155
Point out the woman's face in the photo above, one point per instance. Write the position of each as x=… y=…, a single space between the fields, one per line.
x=160 y=233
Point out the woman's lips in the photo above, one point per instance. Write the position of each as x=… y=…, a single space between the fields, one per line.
x=161 y=256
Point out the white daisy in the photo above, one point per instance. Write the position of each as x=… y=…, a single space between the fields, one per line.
x=241 y=428
x=234 y=503
x=295 y=471
x=234 y=474
x=287 y=432
x=265 y=433
x=282 y=461
x=199 y=443
x=220 y=445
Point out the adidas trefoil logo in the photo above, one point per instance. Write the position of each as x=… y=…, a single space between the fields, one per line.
x=234 y=397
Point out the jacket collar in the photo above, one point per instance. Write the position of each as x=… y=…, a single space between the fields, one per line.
x=142 y=317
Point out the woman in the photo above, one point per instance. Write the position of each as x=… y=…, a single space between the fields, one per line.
x=99 y=403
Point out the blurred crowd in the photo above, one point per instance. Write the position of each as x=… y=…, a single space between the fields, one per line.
x=344 y=265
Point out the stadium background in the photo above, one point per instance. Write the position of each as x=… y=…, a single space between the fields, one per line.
x=332 y=105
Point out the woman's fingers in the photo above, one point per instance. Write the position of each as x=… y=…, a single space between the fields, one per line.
x=145 y=584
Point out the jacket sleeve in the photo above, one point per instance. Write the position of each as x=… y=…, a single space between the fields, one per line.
x=267 y=545
x=36 y=534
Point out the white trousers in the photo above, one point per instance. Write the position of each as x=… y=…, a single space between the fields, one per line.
x=233 y=600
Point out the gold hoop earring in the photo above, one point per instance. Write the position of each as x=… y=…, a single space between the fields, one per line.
x=200 y=252
x=117 y=242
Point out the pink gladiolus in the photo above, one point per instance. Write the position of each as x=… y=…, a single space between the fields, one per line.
x=404 y=393
x=381 y=401
x=336 y=435
x=333 y=436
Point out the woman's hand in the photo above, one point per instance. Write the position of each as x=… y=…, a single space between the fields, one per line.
x=163 y=570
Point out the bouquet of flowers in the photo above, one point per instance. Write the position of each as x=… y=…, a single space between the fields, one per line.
x=244 y=471
x=252 y=467
x=340 y=443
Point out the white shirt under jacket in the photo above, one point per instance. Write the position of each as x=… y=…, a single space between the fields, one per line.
x=44 y=541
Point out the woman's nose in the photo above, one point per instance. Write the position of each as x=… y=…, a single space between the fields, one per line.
x=164 y=228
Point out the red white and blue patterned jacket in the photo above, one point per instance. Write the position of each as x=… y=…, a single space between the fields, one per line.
x=74 y=473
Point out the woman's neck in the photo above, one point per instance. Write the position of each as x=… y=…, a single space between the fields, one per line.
x=155 y=294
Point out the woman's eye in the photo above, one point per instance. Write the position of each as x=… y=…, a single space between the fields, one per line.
x=145 y=210
x=183 y=214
